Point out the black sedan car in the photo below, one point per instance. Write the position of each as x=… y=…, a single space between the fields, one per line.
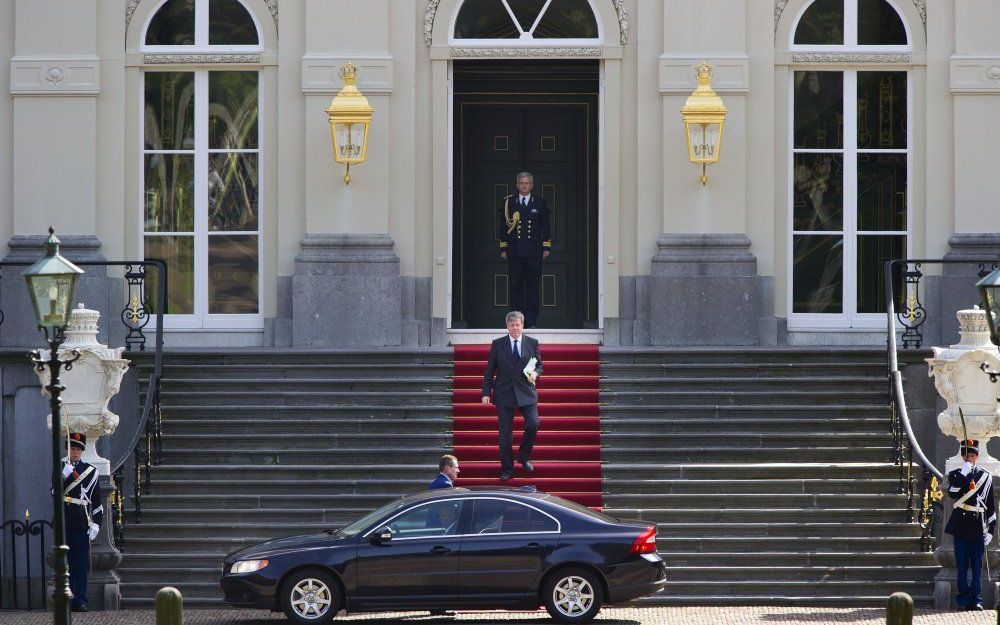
x=456 y=548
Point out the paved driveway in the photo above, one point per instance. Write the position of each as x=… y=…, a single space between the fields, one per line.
x=612 y=616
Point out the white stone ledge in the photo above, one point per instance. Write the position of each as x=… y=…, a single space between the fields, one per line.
x=321 y=73
x=62 y=76
x=730 y=73
x=975 y=74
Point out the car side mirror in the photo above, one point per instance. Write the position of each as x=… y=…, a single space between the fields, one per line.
x=382 y=536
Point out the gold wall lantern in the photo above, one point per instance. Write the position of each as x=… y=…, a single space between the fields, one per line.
x=704 y=115
x=350 y=117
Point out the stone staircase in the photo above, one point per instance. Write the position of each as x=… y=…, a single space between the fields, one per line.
x=767 y=472
x=260 y=444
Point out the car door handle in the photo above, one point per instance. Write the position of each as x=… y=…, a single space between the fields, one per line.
x=440 y=550
x=534 y=547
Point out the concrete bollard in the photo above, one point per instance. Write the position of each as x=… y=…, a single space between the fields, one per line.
x=169 y=607
x=900 y=609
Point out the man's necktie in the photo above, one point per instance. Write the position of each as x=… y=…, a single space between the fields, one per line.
x=517 y=353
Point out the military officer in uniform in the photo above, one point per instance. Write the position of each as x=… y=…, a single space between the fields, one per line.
x=973 y=523
x=527 y=243
x=84 y=512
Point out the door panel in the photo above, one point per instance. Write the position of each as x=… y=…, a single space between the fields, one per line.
x=553 y=138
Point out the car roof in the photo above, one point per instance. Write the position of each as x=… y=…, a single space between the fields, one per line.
x=523 y=491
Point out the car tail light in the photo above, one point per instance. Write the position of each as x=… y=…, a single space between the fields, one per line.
x=646 y=542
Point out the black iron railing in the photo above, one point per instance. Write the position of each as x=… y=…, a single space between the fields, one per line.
x=145 y=446
x=23 y=567
x=919 y=479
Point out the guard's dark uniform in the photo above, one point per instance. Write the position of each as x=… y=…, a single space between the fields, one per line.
x=527 y=237
x=973 y=524
x=82 y=508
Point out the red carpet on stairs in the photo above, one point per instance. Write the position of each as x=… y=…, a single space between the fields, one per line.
x=567 y=454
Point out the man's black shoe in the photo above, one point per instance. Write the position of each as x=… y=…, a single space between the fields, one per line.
x=506 y=475
x=78 y=608
x=527 y=466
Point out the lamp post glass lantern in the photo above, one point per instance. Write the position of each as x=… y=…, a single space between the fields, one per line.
x=704 y=115
x=52 y=283
x=350 y=117
x=989 y=288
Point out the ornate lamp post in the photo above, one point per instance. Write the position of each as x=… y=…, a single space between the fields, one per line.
x=52 y=283
x=989 y=288
x=704 y=115
x=350 y=117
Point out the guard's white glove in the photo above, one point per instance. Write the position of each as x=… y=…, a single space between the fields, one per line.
x=67 y=470
x=966 y=467
x=987 y=538
x=94 y=530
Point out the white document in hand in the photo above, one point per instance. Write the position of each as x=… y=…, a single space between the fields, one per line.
x=530 y=368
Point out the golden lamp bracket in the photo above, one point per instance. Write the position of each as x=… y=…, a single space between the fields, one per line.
x=350 y=117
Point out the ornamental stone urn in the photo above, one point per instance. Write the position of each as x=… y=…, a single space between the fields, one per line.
x=90 y=384
x=959 y=378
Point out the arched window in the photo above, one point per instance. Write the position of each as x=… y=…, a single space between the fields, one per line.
x=530 y=20
x=850 y=158
x=201 y=157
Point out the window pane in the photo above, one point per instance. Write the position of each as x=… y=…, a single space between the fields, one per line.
x=817 y=274
x=879 y=24
x=435 y=519
x=818 y=195
x=232 y=191
x=568 y=19
x=229 y=24
x=819 y=110
x=178 y=253
x=232 y=110
x=169 y=193
x=484 y=19
x=494 y=517
x=882 y=110
x=526 y=11
x=173 y=25
x=881 y=192
x=873 y=251
x=232 y=274
x=822 y=24
x=169 y=111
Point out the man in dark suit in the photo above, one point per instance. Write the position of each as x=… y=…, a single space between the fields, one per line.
x=510 y=377
x=527 y=243
x=973 y=523
x=448 y=471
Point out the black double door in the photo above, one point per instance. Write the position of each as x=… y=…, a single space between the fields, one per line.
x=553 y=136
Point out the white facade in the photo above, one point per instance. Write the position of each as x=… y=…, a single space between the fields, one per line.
x=73 y=130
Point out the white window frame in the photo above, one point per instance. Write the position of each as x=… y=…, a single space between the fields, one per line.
x=200 y=318
x=526 y=38
x=849 y=317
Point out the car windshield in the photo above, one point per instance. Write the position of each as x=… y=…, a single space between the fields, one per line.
x=354 y=528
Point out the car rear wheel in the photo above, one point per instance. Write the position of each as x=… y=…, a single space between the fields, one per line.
x=573 y=596
x=310 y=597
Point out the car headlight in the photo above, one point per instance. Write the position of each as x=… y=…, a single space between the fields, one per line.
x=248 y=566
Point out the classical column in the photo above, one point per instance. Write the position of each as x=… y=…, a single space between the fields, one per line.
x=346 y=288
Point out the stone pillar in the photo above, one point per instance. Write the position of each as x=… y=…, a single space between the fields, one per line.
x=703 y=291
x=346 y=291
x=103 y=583
x=19 y=328
x=958 y=281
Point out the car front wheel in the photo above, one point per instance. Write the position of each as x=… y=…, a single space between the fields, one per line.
x=310 y=597
x=573 y=596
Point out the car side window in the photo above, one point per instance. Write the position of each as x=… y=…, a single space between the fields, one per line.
x=494 y=516
x=439 y=518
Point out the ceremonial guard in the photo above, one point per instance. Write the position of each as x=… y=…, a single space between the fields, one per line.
x=528 y=241
x=84 y=512
x=973 y=523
